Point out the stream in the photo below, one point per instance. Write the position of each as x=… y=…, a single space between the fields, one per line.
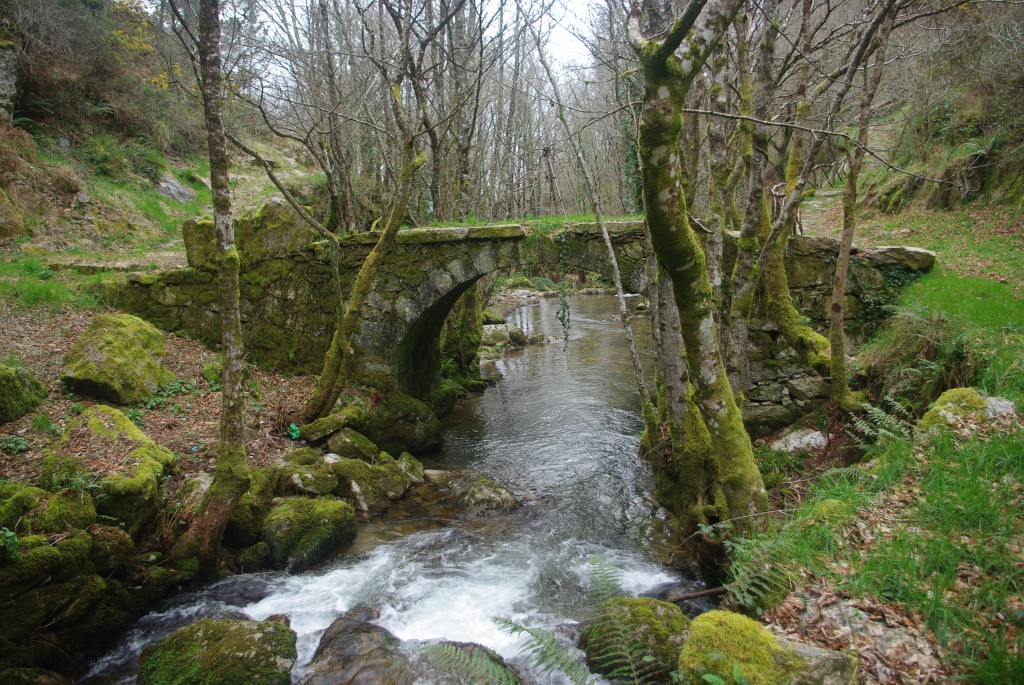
x=561 y=431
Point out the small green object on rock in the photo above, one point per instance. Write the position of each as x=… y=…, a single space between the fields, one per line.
x=118 y=358
x=221 y=652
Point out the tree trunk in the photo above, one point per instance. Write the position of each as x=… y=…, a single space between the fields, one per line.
x=841 y=395
x=231 y=476
x=719 y=485
x=340 y=353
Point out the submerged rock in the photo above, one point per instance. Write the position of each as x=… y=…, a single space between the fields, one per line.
x=640 y=629
x=722 y=643
x=221 y=652
x=355 y=652
x=484 y=496
x=300 y=532
x=20 y=392
x=118 y=358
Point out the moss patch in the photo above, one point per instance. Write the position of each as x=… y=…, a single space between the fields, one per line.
x=722 y=642
x=953 y=407
x=372 y=487
x=301 y=532
x=67 y=508
x=16 y=500
x=20 y=392
x=221 y=652
x=351 y=444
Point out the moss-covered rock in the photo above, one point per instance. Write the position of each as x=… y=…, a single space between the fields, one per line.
x=17 y=500
x=54 y=605
x=12 y=223
x=329 y=425
x=118 y=358
x=254 y=558
x=32 y=676
x=133 y=494
x=722 y=643
x=484 y=497
x=38 y=561
x=642 y=630
x=400 y=423
x=371 y=488
x=348 y=443
x=305 y=473
x=221 y=652
x=67 y=508
x=954 y=407
x=112 y=549
x=20 y=392
x=246 y=522
x=301 y=532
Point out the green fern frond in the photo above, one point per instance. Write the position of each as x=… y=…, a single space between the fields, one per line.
x=604 y=581
x=473 y=666
x=546 y=653
x=756 y=580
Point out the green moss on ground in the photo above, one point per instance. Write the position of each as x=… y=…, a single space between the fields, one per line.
x=954 y=406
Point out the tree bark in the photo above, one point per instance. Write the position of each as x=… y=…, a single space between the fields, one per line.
x=721 y=481
x=841 y=395
x=231 y=475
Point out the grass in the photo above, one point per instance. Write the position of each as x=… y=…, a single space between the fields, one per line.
x=950 y=549
x=29 y=283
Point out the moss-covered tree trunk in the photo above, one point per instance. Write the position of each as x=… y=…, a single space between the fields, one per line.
x=340 y=353
x=754 y=96
x=231 y=475
x=720 y=483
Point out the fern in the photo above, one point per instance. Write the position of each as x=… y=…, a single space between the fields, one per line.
x=473 y=665
x=547 y=654
x=756 y=580
x=619 y=653
x=886 y=422
x=604 y=581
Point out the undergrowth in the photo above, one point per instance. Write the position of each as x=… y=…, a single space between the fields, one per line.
x=943 y=514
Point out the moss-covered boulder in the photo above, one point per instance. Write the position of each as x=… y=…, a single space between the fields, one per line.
x=372 y=487
x=32 y=676
x=20 y=392
x=722 y=644
x=132 y=494
x=246 y=521
x=305 y=473
x=52 y=607
x=348 y=443
x=329 y=425
x=953 y=407
x=484 y=497
x=301 y=532
x=400 y=423
x=38 y=561
x=66 y=508
x=17 y=500
x=118 y=359
x=112 y=549
x=640 y=630
x=221 y=652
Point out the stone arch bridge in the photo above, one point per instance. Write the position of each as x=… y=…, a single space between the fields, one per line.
x=288 y=303
x=287 y=297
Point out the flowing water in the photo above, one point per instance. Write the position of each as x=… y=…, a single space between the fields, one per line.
x=561 y=431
